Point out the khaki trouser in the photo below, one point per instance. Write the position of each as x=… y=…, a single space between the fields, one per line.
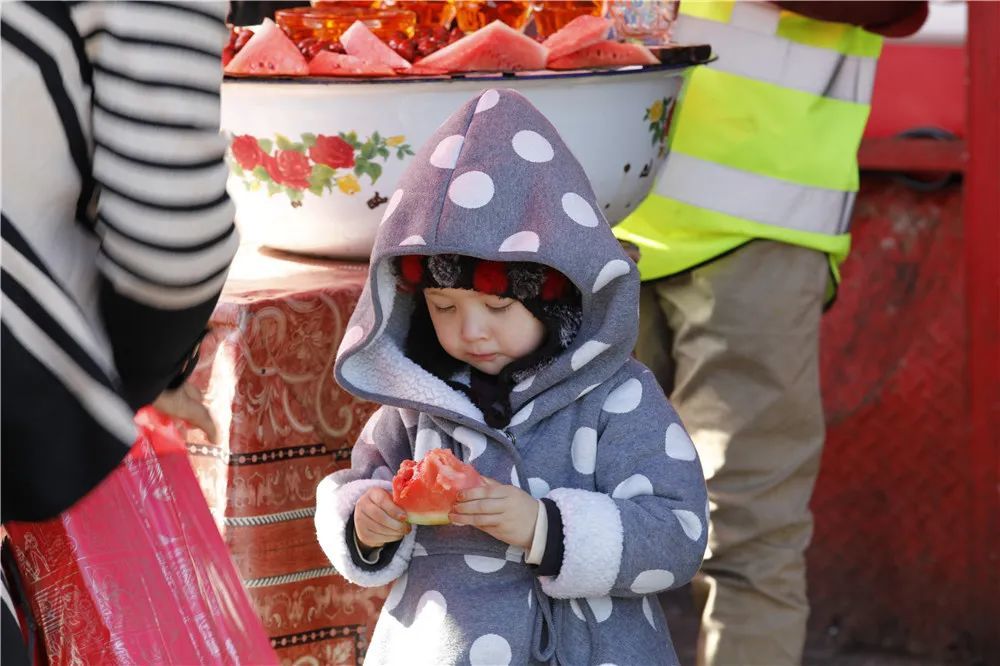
x=735 y=344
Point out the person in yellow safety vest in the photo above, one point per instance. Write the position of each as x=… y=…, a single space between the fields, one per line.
x=740 y=241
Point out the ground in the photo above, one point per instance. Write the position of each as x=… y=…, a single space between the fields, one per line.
x=820 y=649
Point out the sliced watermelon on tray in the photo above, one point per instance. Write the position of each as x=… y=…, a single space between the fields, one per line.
x=269 y=53
x=494 y=48
x=605 y=54
x=427 y=490
x=577 y=34
x=361 y=42
x=337 y=64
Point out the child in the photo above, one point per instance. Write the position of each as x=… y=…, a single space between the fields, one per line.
x=498 y=322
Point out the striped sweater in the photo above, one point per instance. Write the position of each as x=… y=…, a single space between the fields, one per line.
x=117 y=230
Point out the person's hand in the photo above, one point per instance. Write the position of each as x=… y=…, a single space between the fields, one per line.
x=504 y=512
x=377 y=520
x=187 y=403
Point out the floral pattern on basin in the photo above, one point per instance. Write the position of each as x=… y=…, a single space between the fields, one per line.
x=314 y=163
x=658 y=116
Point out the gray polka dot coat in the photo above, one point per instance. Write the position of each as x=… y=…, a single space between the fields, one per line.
x=591 y=430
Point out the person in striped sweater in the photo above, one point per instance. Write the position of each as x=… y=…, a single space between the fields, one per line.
x=116 y=228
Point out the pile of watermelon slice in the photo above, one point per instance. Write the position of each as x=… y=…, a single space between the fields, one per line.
x=581 y=44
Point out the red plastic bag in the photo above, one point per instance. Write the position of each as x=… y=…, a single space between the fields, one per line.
x=136 y=572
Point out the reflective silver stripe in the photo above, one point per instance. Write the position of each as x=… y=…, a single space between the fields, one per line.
x=762 y=17
x=753 y=197
x=772 y=59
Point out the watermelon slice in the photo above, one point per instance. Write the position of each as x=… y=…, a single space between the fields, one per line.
x=327 y=63
x=427 y=490
x=494 y=48
x=362 y=43
x=269 y=53
x=606 y=54
x=577 y=34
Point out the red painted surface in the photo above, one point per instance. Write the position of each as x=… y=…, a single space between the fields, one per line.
x=913 y=155
x=918 y=85
x=982 y=264
x=889 y=563
x=906 y=553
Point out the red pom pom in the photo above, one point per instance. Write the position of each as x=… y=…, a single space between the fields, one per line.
x=490 y=277
x=411 y=267
x=554 y=285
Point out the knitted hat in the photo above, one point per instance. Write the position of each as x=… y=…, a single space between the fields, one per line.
x=544 y=291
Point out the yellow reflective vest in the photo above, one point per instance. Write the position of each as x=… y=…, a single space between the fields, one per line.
x=764 y=140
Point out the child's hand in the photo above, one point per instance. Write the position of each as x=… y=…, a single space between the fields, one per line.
x=504 y=512
x=377 y=520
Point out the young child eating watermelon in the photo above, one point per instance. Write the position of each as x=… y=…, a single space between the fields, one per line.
x=498 y=322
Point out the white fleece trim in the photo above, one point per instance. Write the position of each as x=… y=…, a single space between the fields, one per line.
x=334 y=507
x=593 y=539
x=382 y=368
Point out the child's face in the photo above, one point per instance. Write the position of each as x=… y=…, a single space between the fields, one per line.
x=483 y=330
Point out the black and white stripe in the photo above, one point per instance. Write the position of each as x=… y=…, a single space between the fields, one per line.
x=117 y=231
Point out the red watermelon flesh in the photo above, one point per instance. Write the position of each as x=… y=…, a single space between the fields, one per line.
x=579 y=33
x=362 y=43
x=494 y=48
x=327 y=63
x=606 y=54
x=427 y=490
x=269 y=53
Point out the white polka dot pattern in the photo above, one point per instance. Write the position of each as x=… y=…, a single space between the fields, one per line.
x=445 y=155
x=427 y=440
x=419 y=550
x=587 y=390
x=633 y=486
x=413 y=240
x=601 y=607
x=490 y=650
x=613 y=269
x=652 y=580
x=522 y=415
x=394 y=200
x=579 y=210
x=522 y=241
x=474 y=442
x=473 y=189
x=648 y=612
x=484 y=564
x=587 y=352
x=678 y=445
x=624 y=398
x=532 y=146
x=584 y=450
x=487 y=101
x=524 y=384
x=538 y=487
x=409 y=417
x=690 y=523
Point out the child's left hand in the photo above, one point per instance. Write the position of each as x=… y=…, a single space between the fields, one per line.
x=504 y=512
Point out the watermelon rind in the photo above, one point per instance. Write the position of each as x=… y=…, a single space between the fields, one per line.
x=429 y=518
x=607 y=54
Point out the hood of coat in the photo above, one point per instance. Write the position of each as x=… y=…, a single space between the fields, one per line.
x=496 y=182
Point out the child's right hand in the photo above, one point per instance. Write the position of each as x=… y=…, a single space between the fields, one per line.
x=377 y=520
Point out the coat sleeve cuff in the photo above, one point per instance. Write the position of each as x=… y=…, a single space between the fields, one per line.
x=334 y=516
x=593 y=538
